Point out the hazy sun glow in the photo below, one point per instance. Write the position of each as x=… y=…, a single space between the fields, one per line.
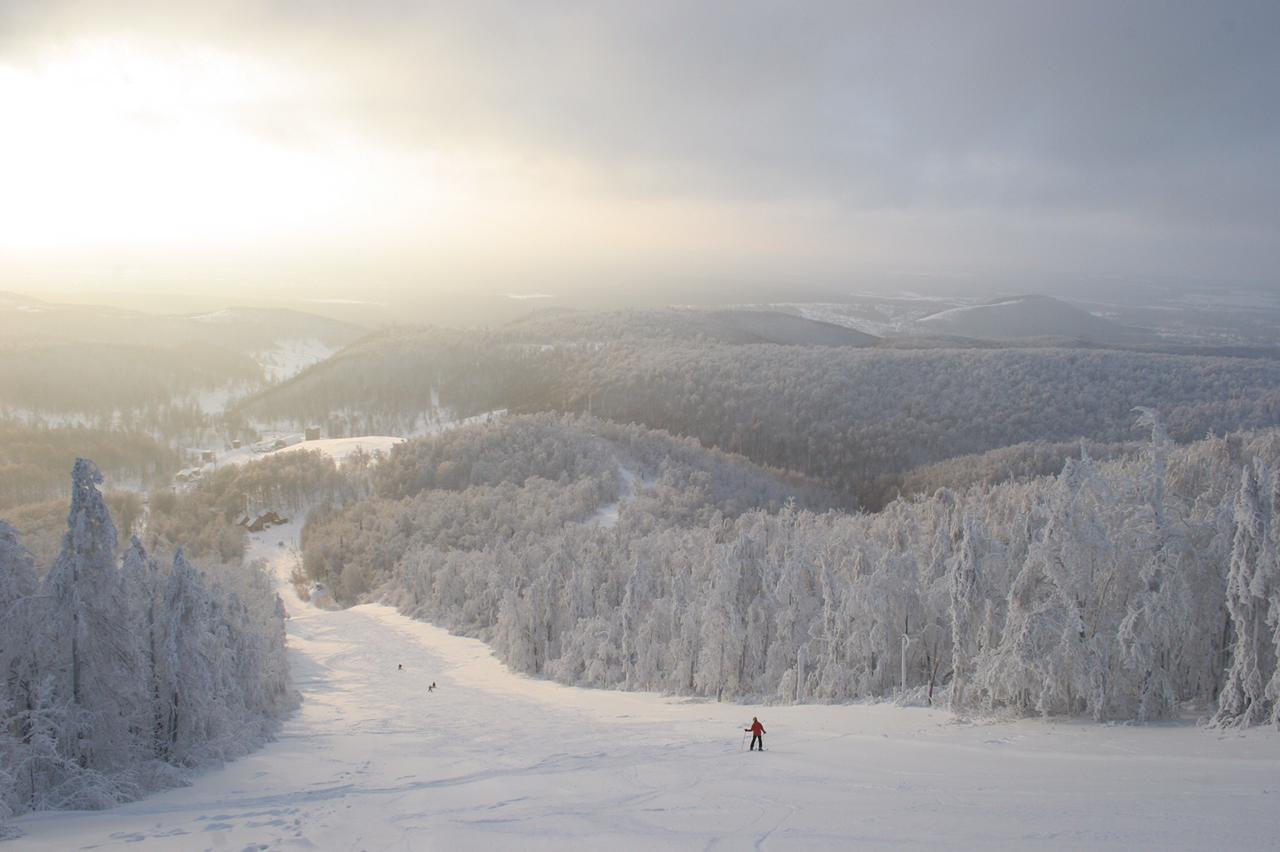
x=111 y=144
x=490 y=147
x=163 y=157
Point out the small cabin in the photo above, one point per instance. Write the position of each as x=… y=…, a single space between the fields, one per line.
x=312 y=433
x=208 y=456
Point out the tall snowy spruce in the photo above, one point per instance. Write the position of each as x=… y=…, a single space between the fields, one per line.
x=1271 y=588
x=187 y=708
x=1160 y=616
x=1243 y=699
x=142 y=589
x=92 y=651
x=17 y=669
x=966 y=644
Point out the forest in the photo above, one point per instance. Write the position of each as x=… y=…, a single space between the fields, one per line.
x=1131 y=589
x=703 y=504
x=34 y=460
x=117 y=673
x=857 y=419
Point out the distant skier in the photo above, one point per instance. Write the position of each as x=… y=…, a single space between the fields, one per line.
x=432 y=687
x=757 y=734
x=400 y=667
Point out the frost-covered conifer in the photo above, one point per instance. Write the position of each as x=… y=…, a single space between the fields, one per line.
x=1160 y=617
x=104 y=673
x=188 y=698
x=17 y=569
x=1268 y=582
x=965 y=613
x=1242 y=701
x=91 y=651
x=142 y=592
x=17 y=667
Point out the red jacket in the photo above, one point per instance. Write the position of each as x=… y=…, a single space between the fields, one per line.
x=756 y=728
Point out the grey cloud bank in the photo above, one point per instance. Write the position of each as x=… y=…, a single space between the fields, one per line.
x=1134 y=138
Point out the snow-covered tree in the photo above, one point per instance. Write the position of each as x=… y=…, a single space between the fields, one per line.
x=141 y=576
x=966 y=613
x=185 y=667
x=107 y=671
x=90 y=647
x=1242 y=701
x=1160 y=617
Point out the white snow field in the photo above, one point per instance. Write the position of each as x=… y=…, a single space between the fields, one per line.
x=339 y=448
x=493 y=760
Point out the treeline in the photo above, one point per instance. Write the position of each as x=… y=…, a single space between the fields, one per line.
x=852 y=418
x=521 y=480
x=1016 y=463
x=102 y=378
x=116 y=674
x=34 y=460
x=206 y=520
x=703 y=325
x=1132 y=589
x=395 y=381
x=41 y=526
x=856 y=419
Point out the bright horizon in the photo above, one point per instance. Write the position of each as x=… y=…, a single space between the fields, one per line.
x=372 y=148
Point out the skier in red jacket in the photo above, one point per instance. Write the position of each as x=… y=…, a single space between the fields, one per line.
x=757 y=734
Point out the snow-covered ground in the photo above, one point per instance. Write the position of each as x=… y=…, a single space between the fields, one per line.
x=339 y=448
x=493 y=760
x=442 y=419
x=290 y=357
x=607 y=516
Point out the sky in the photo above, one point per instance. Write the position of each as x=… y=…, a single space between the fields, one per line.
x=343 y=148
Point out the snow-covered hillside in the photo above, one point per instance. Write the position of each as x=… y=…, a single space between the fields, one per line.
x=286 y=358
x=492 y=760
x=339 y=448
x=1021 y=316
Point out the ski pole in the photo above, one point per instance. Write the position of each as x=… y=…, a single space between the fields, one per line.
x=744 y=742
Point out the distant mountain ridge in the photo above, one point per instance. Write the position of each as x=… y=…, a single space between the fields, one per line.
x=25 y=320
x=728 y=325
x=1025 y=317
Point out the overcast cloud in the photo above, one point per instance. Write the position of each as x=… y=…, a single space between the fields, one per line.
x=1105 y=138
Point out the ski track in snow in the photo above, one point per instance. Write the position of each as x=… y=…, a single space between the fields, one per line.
x=607 y=516
x=495 y=760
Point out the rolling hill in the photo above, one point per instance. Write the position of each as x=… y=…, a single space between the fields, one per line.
x=1024 y=317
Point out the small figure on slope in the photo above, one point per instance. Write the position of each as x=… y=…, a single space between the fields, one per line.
x=432 y=687
x=757 y=734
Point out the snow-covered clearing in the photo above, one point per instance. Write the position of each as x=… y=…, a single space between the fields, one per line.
x=339 y=448
x=968 y=309
x=607 y=516
x=492 y=760
x=442 y=420
x=290 y=357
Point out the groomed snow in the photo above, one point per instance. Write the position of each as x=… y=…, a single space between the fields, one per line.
x=968 y=309
x=290 y=357
x=492 y=760
x=339 y=448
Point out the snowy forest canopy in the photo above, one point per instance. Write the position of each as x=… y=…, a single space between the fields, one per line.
x=857 y=419
x=1130 y=589
x=658 y=502
x=117 y=673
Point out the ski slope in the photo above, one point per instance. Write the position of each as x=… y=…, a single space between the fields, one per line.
x=493 y=760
